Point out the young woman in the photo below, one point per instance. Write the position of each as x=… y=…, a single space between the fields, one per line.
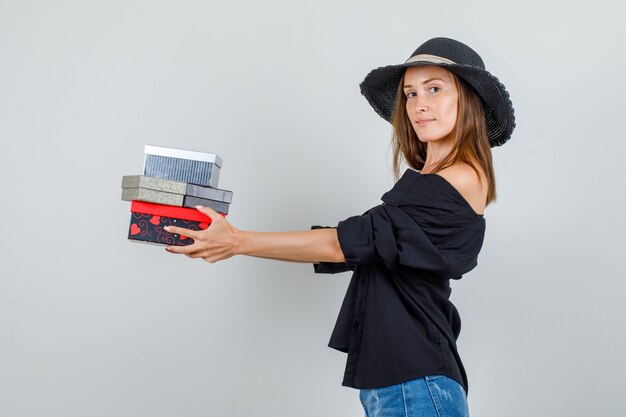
x=396 y=322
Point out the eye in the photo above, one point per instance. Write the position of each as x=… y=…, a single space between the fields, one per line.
x=433 y=89
x=410 y=94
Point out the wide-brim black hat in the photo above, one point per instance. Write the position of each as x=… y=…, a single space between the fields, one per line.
x=380 y=86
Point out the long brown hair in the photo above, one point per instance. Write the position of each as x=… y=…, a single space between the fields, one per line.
x=469 y=136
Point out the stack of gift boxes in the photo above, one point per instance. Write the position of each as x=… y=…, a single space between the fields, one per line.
x=173 y=183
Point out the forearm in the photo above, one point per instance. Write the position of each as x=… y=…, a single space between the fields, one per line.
x=314 y=246
x=223 y=240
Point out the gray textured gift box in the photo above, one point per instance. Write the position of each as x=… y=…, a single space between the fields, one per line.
x=177 y=187
x=210 y=193
x=171 y=199
x=182 y=165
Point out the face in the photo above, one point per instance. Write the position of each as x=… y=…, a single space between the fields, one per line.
x=431 y=101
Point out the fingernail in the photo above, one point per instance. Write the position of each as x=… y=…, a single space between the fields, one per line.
x=166 y=227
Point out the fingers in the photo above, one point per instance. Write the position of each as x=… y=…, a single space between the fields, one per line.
x=194 y=234
x=193 y=252
x=198 y=249
x=185 y=250
x=209 y=212
x=181 y=231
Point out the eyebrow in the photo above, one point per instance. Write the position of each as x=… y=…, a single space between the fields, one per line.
x=425 y=82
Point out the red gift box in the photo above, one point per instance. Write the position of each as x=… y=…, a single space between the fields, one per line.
x=148 y=219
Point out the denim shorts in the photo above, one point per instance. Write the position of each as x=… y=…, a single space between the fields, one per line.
x=430 y=396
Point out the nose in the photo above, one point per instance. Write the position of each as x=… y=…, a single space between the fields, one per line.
x=420 y=104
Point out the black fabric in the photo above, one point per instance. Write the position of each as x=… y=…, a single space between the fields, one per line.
x=396 y=322
x=452 y=50
x=330 y=267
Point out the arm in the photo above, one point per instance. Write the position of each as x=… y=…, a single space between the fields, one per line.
x=311 y=246
x=222 y=240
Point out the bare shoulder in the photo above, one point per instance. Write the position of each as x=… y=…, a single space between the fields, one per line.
x=470 y=185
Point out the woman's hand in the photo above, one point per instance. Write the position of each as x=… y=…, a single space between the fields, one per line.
x=219 y=241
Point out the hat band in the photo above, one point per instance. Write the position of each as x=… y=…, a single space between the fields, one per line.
x=429 y=58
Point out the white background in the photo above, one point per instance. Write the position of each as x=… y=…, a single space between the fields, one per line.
x=92 y=325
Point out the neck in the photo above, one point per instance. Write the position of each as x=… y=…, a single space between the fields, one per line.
x=435 y=153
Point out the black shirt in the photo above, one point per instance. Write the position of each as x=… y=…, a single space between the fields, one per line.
x=396 y=322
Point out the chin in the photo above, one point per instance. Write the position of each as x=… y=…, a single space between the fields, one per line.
x=429 y=139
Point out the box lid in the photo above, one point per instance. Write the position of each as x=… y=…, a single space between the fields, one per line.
x=169 y=211
x=152 y=196
x=176 y=187
x=142 y=181
x=183 y=154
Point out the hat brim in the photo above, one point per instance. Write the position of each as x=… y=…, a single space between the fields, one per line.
x=380 y=87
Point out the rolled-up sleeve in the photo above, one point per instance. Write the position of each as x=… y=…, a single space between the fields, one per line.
x=390 y=234
x=330 y=267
